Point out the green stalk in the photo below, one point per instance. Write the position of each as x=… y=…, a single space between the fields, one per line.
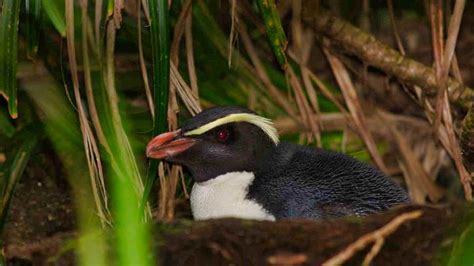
x=274 y=29
x=9 y=16
x=159 y=15
x=132 y=232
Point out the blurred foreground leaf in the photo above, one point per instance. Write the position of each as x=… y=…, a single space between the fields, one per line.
x=463 y=249
x=62 y=128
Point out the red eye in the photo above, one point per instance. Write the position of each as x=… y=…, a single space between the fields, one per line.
x=222 y=135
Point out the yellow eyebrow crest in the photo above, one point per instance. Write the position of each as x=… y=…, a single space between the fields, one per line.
x=263 y=123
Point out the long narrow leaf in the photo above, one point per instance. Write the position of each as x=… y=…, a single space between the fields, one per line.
x=62 y=128
x=274 y=29
x=33 y=20
x=133 y=237
x=54 y=9
x=161 y=71
x=6 y=126
x=8 y=52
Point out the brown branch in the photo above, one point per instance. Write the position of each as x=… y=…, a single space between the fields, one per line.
x=377 y=236
x=375 y=53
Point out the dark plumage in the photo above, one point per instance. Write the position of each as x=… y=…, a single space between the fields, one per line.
x=299 y=181
x=286 y=180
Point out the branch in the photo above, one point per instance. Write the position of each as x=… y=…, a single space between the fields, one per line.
x=375 y=53
x=378 y=237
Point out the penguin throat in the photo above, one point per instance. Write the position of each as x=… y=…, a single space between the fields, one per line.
x=226 y=196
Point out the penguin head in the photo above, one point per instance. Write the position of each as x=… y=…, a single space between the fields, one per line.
x=217 y=141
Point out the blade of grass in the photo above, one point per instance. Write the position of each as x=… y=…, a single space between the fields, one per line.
x=33 y=20
x=131 y=230
x=9 y=17
x=274 y=29
x=461 y=253
x=208 y=28
x=54 y=9
x=159 y=15
x=113 y=102
x=6 y=126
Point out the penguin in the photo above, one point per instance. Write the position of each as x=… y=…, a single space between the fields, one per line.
x=242 y=170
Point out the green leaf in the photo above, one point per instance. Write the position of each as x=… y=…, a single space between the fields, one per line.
x=6 y=126
x=462 y=252
x=54 y=9
x=274 y=29
x=61 y=126
x=33 y=26
x=159 y=14
x=8 y=53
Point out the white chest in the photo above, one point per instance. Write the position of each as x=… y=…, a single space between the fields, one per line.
x=225 y=196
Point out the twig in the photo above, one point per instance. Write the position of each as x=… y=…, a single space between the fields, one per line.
x=377 y=236
x=380 y=55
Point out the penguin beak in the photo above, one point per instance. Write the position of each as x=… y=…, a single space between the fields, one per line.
x=167 y=145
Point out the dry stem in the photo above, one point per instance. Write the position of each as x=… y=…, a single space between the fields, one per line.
x=377 y=236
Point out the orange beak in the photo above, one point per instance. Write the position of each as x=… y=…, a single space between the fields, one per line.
x=168 y=145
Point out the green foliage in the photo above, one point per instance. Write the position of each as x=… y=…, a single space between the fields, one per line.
x=6 y=127
x=9 y=17
x=275 y=31
x=462 y=252
x=33 y=19
x=62 y=128
x=161 y=72
x=54 y=10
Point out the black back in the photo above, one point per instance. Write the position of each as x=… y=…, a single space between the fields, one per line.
x=297 y=181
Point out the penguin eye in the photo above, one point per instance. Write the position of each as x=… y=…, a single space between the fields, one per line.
x=222 y=135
